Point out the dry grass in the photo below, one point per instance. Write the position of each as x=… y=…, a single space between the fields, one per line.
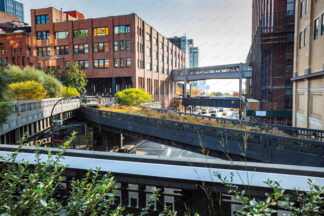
x=189 y=119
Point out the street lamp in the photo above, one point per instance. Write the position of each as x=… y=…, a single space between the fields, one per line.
x=52 y=121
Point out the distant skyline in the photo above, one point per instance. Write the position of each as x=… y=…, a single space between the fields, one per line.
x=221 y=29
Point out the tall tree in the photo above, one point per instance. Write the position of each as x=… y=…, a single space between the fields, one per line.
x=74 y=78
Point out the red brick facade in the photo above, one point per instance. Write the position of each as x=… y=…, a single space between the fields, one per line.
x=134 y=53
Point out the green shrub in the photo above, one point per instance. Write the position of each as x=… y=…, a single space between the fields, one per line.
x=69 y=92
x=29 y=90
x=14 y=74
x=133 y=96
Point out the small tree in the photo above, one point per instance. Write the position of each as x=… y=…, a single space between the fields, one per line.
x=195 y=92
x=29 y=90
x=75 y=78
x=133 y=96
x=69 y=92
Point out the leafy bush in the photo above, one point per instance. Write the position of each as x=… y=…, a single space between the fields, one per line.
x=29 y=90
x=27 y=189
x=14 y=74
x=75 y=78
x=307 y=203
x=69 y=92
x=133 y=96
x=5 y=111
x=53 y=86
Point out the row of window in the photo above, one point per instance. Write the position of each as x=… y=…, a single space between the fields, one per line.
x=302 y=34
x=44 y=35
x=156 y=69
x=121 y=62
x=42 y=19
x=100 y=63
x=122 y=29
x=122 y=45
x=77 y=49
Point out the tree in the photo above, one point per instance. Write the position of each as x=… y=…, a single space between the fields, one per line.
x=5 y=108
x=69 y=92
x=75 y=78
x=218 y=94
x=195 y=92
x=133 y=96
x=29 y=90
x=235 y=94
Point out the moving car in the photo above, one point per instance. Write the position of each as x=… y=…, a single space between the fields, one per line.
x=213 y=113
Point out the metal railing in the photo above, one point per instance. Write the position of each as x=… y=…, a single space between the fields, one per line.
x=258 y=146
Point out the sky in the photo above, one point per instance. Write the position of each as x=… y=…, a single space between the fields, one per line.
x=221 y=29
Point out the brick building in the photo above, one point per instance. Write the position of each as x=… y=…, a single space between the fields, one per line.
x=271 y=58
x=115 y=52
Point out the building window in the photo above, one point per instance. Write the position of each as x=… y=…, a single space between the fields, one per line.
x=128 y=45
x=166 y=48
x=81 y=49
x=148 y=37
x=315 y=29
x=301 y=8
x=161 y=57
x=100 y=47
x=322 y=29
x=121 y=45
x=116 y=62
x=61 y=35
x=155 y=41
x=155 y=55
x=122 y=62
x=80 y=33
x=123 y=29
x=115 y=46
x=155 y=68
x=42 y=19
x=128 y=62
x=100 y=31
x=62 y=50
x=148 y=66
x=101 y=64
x=161 y=45
x=3 y=49
x=82 y=64
x=42 y=35
x=161 y=70
x=305 y=36
x=67 y=65
x=148 y=51
x=43 y=51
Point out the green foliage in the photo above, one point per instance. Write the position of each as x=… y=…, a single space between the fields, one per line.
x=34 y=190
x=5 y=111
x=74 y=78
x=14 y=74
x=29 y=90
x=69 y=92
x=308 y=203
x=133 y=96
x=53 y=86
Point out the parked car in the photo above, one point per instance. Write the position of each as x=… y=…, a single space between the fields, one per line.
x=221 y=109
x=213 y=113
x=203 y=111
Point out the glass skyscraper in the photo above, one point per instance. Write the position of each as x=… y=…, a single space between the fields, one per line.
x=13 y=7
